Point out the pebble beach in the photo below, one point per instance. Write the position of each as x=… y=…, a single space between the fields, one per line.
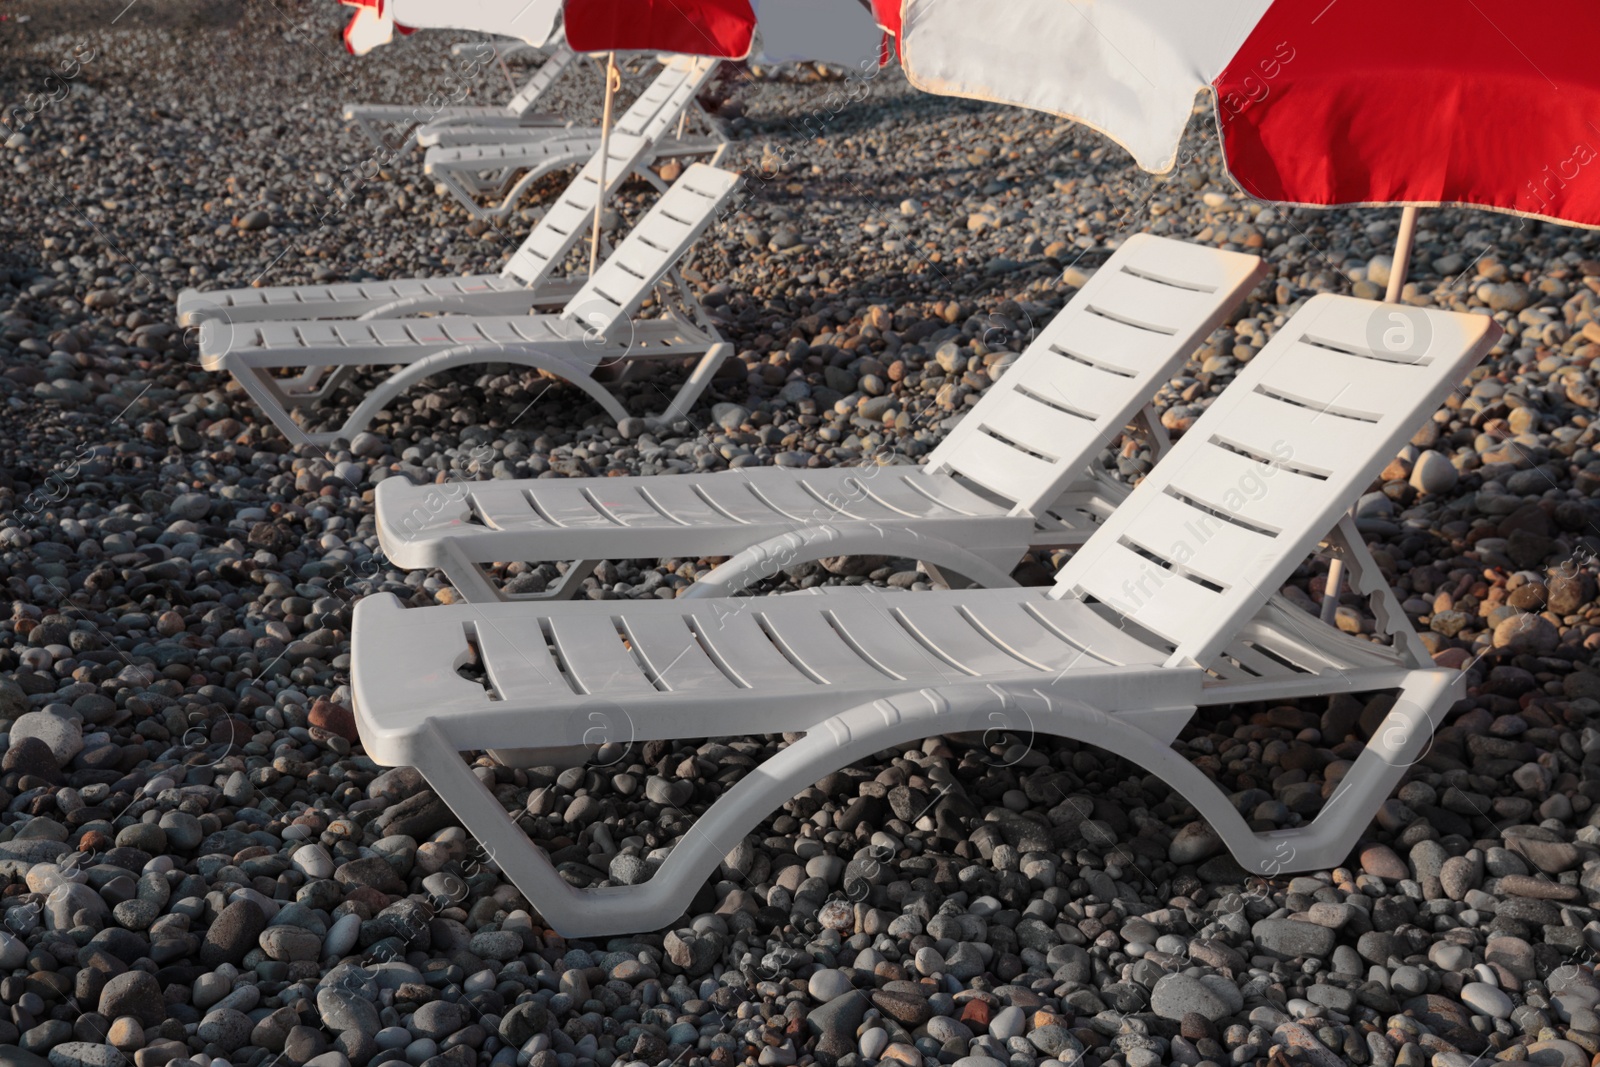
x=201 y=867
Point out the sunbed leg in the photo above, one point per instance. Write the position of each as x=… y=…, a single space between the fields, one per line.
x=307 y=391
x=261 y=388
x=1367 y=580
x=1142 y=737
x=836 y=743
x=447 y=178
x=509 y=202
x=466 y=576
x=572 y=580
x=1147 y=424
x=476 y=353
x=699 y=378
x=302 y=383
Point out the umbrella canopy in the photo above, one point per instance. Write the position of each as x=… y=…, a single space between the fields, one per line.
x=828 y=31
x=375 y=21
x=1328 y=102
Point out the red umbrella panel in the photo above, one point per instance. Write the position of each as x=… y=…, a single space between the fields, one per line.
x=1428 y=102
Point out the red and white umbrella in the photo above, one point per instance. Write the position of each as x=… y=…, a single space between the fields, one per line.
x=828 y=31
x=1487 y=103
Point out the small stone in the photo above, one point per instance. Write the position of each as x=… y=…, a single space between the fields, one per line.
x=1195 y=842
x=227 y=1028
x=289 y=944
x=1527 y=633
x=63 y=736
x=1460 y=875
x=234 y=933
x=342 y=1009
x=31 y=757
x=313 y=861
x=1427 y=860
x=1381 y=862
x=1434 y=473
x=438 y=1019
x=183 y=830
x=1007 y=1023
x=335 y=718
x=370 y=872
x=136 y=994
x=1300 y=1039
x=907 y=1009
x=692 y=951
x=85 y=1054
x=522 y=1022
x=1486 y=999
x=501 y=946
x=126 y=1034
x=827 y=983
x=1504 y=296
x=1292 y=939
x=1177 y=995
x=66 y=903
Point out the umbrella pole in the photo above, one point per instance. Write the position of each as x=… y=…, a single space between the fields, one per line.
x=1402 y=253
x=613 y=80
x=1397 y=282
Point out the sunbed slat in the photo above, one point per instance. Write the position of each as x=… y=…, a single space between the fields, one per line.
x=517 y=658
x=593 y=652
x=802 y=633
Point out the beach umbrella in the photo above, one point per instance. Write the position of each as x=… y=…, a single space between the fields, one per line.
x=1323 y=103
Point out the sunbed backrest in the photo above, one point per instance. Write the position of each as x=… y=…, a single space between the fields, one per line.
x=606 y=302
x=555 y=65
x=696 y=71
x=1097 y=362
x=570 y=218
x=1246 y=494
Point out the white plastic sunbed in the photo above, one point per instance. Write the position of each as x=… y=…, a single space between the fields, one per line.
x=595 y=329
x=1012 y=475
x=527 y=280
x=470 y=133
x=380 y=122
x=1165 y=609
x=474 y=170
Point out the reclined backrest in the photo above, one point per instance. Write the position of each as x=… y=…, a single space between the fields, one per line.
x=570 y=217
x=556 y=63
x=607 y=301
x=1265 y=473
x=697 y=70
x=1099 y=360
